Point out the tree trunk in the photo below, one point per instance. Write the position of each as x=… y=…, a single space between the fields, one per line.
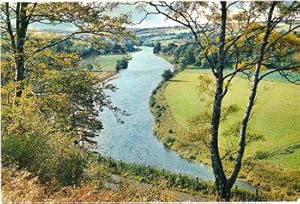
x=221 y=180
x=19 y=57
x=251 y=100
x=214 y=147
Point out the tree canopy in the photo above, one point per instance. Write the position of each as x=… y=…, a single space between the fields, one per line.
x=66 y=96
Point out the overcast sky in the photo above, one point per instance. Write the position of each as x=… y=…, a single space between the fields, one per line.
x=135 y=14
x=154 y=20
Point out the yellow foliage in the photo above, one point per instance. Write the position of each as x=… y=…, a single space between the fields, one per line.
x=263 y=68
x=297 y=57
x=244 y=64
x=211 y=50
x=241 y=65
x=206 y=87
x=286 y=42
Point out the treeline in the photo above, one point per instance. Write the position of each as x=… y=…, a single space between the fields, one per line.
x=150 y=37
x=185 y=54
x=148 y=40
x=190 y=54
x=103 y=48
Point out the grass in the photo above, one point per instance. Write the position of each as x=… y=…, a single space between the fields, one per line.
x=111 y=180
x=103 y=62
x=275 y=115
x=269 y=177
x=168 y=58
x=288 y=160
x=21 y=186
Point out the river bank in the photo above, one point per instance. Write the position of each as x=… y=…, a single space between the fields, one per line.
x=114 y=181
x=277 y=181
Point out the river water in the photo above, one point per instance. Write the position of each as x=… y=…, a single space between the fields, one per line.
x=134 y=141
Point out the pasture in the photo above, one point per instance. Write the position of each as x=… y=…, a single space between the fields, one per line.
x=103 y=62
x=275 y=116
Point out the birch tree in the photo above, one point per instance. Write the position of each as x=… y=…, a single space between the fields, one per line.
x=247 y=36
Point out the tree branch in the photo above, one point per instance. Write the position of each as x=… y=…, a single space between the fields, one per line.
x=276 y=69
x=9 y=27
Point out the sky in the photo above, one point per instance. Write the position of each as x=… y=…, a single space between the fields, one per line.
x=156 y=20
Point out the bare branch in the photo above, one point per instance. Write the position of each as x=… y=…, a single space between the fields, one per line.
x=280 y=71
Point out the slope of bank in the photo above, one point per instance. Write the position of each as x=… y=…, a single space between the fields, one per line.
x=22 y=186
x=110 y=180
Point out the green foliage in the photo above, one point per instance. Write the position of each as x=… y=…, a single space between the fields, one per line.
x=102 y=62
x=121 y=64
x=24 y=151
x=168 y=49
x=181 y=182
x=157 y=48
x=169 y=140
x=150 y=174
x=167 y=75
x=289 y=149
x=58 y=107
x=44 y=157
x=188 y=57
x=63 y=101
x=90 y=50
x=70 y=169
x=261 y=155
x=152 y=101
x=186 y=54
x=158 y=110
x=228 y=110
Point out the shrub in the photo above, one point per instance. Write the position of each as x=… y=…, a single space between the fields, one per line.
x=16 y=150
x=42 y=156
x=158 y=113
x=121 y=64
x=152 y=102
x=70 y=169
x=157 y=48
x=28 y=152
x=169 y=139
x=167 y=75
x=261 y=155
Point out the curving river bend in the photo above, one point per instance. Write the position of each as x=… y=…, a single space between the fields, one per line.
x=134 y=141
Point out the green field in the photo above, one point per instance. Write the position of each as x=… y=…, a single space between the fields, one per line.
x=276 y=112
x=103 y=62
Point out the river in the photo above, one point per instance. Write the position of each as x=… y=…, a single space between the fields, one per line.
x=134 y=141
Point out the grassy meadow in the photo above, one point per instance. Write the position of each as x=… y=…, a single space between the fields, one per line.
x=275 y=113
x=103 y=62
